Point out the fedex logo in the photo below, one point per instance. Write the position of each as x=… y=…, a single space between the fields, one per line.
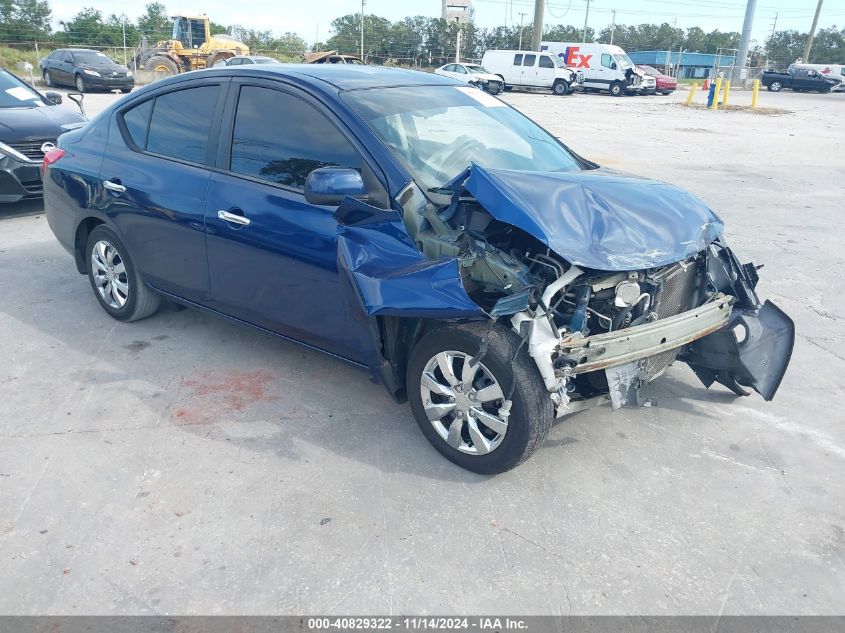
x=574 y=58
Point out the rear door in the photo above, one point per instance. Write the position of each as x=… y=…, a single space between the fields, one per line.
x=277 y=267
x=155 y=176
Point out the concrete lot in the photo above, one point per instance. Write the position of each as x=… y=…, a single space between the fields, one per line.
x=185 y=465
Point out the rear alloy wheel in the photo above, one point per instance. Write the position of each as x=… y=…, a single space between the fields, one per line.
x=775 y=86
x=80 y=83
x=616 y=89
x=459 y=401
x=560 y=88
x=48 y=80
x=116 y=283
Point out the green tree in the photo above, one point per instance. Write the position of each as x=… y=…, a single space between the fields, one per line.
x=24 y=20
x=155 y=24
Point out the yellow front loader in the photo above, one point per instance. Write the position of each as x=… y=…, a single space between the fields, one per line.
x=191 y=47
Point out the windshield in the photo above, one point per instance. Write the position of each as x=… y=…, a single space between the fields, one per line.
x=91 y=57
x=16 y=94
x=477 y=70
x=438 y=131
x=623 y=61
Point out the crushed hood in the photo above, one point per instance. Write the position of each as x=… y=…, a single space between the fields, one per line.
x=598 y=218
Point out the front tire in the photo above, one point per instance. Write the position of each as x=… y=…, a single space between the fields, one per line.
x=115 y=280
x=458 y=404
x=80 y=84
x=161 y=64
x=48 y=80
x=560 y=88
x=617 y=89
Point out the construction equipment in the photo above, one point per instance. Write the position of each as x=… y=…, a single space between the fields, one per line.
x=330 y=57
x=191 y=47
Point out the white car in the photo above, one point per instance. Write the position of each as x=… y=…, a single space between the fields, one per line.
x=472 y=74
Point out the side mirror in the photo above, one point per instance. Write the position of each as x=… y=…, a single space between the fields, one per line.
x=328 y=186
x=613 y=66
x=53 y=98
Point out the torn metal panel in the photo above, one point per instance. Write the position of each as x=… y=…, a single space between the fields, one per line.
x=624 y=383
x=391 y=276
x=598 y=218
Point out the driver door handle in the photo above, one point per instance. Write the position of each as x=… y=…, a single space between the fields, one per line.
x=234 y=218
x=115 y=187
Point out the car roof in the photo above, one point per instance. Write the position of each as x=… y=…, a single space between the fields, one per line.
x=341 y=76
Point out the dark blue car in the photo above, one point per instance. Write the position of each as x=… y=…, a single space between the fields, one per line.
x=417 y=228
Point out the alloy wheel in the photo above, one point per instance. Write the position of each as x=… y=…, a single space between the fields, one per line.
x=110 y=276
x=462 y=400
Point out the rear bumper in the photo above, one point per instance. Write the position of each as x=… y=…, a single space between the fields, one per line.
x=19 y=180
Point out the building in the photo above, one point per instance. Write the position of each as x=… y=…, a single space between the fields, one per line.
x=458 y=11
x=688 y=65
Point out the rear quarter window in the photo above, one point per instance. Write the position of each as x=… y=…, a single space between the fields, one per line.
x=137 y=123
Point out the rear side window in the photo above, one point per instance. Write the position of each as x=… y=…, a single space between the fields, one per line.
x=181 y=122
x=295 y=145
x=546 y=62
x=517 y=59
x=137 y=121
x=529 y=60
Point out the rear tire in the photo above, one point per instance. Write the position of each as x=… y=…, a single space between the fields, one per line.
x=116 y=282
x=505 y=363
x=775 y=86
x=560 y=88
x=617 y=89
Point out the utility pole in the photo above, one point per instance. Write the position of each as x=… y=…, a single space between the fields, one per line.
x=812 y=33
x=537 y=33
x=521 y=17
x=744 y=41
x=586 y=17
x=363 y=2
x=123 y=28
x=458 y=46
x=612 y=26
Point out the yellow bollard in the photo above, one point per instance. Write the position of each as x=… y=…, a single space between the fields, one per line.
x=692 y=90
x=715 y=104
x=754 y=92
x=727 y=90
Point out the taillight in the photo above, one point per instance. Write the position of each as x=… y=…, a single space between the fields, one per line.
x=51 y=157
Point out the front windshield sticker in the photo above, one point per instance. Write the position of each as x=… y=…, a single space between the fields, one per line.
x=20 y=93
x=482 y=97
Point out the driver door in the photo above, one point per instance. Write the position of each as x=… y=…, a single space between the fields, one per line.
x=272 y=255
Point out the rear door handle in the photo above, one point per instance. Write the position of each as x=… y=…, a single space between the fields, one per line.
x=234 y=218
x=115 y=187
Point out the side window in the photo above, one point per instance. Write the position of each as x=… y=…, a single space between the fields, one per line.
x=529 y=60
x=461 y=69
x=517 y=59
x=546 y=62
x=235 y=61
x=287 y=152
x=137 y=122
x=449 y=68
x=606 y=60
x=68 y=58
x=181 y=121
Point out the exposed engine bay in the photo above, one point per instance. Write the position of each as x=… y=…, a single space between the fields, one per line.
x=597 y=335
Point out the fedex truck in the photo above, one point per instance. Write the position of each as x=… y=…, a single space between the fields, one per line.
x=605 y=67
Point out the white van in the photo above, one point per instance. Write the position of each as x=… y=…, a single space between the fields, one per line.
x=530 y=69
x=605 y=67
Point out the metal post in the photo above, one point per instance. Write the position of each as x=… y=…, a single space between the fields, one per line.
x=727 y=92
x=745 y=40
x=586 y=17
x=521 y=16
x=754 y=91
x=123 y=28
x=717 y=87
x=692 y=90
x=363 y=2
x=809 y=46
x=612 y=26
x=537 y=34
x=458 y=47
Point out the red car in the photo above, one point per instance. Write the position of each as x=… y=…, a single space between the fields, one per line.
x=664 y=84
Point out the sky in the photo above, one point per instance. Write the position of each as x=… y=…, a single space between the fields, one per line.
x=311 y=19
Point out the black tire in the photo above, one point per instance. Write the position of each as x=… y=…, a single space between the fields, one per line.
x=161 y=64
x=775 y=86
x=141 y=302
x=617 y=89
x=126 y=90
x=48 y=79
x=666 y=93
x=532 y=411
x=560 y=88
x=79 y=82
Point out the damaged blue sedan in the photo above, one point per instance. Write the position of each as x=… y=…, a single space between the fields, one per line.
x=417 y=228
